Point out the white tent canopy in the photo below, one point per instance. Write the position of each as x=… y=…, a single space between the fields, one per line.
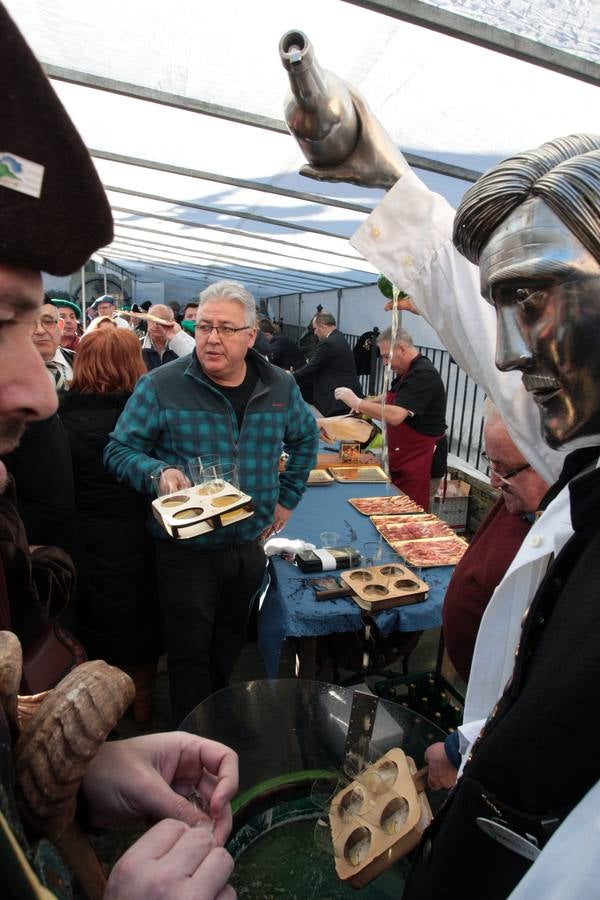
x=181 y=107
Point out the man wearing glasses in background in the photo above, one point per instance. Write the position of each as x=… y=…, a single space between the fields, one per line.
x=484 y=565
x=46 y=337
x=224 y=400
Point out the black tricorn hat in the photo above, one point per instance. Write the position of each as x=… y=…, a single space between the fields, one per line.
x=53 y=210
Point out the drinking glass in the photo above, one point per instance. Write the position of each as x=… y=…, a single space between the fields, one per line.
x=221 y=475
x=164 y=481
x=329 y=539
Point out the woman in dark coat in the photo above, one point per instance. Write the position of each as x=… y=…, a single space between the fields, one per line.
x=118 y=615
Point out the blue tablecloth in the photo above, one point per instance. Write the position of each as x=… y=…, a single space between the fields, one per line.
x=290 y=609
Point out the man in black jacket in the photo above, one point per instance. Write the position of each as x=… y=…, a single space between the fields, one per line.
x=331 y=366
x=283 y=352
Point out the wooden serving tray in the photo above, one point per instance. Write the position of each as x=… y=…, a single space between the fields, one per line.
x=398 y=529
x=319 y=476
x=384 y=587
x=359 y=474
x=392 y=505
x=378 y=818
x=441 y=551
x=192 y=511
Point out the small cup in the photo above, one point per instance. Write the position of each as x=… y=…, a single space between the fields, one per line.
x=329 y=539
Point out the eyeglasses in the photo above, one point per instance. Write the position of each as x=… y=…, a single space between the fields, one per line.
x=46 y=322
x=506 y=476
x=222 y=330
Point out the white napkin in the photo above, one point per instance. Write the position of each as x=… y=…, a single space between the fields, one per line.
x=275 y=546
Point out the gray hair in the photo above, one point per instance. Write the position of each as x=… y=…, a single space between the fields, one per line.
x=564 y=173
x=162 y=312
x=325 y=318
x=402 y=337
x=230 y=290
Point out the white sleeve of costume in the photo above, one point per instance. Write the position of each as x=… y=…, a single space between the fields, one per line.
x=182 y=343
x=408 y=237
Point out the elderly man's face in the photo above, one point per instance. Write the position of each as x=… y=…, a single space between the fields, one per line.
x=47 y=332
x=26 y=392
x=156 y=332
x=105 y=309
x=545 y=287
x=222 y=356
x=397 y=358
x=69 y=321
x=523 y=489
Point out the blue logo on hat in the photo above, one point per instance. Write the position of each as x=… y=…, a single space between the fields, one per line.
x=9 y=166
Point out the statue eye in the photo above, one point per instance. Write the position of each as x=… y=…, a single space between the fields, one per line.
x=521 y=294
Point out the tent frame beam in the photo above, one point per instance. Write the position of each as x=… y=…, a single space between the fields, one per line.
x=463 y=28
x=238 y=261
x=230 y=244
x=239 y=116
x=244 y=183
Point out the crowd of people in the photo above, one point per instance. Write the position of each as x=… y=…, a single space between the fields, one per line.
x=93 y=419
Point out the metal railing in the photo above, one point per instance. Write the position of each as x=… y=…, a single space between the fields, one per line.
x=464 y=399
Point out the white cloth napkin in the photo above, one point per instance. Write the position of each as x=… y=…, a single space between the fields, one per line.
x=275 y=546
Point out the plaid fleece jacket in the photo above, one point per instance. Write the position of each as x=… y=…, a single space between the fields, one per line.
x=175 y=414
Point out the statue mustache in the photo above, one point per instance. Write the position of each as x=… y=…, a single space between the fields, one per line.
x=540 y=382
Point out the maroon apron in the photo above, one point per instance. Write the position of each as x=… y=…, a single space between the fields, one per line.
x=410 y=455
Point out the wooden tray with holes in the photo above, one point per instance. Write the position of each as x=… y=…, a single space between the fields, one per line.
x=193 y=510
x=378 y=818
x=384 y=587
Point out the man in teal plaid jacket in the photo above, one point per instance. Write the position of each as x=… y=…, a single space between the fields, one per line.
x=224 y=399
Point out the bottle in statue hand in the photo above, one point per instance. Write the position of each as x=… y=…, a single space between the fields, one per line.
x=319 y=110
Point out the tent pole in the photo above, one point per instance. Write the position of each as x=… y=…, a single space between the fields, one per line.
x=83 y=296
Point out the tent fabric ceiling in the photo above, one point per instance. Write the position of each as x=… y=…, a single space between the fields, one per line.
x=204 y=195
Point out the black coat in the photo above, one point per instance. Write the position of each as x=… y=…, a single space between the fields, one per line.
x=330 y=366
x=283 y=352
x=118 y=613
x=41 y=467
x=538 y=754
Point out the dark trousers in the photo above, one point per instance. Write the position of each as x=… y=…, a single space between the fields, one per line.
x=206 y=598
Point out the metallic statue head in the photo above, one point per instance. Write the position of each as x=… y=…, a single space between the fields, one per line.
x=533 y=225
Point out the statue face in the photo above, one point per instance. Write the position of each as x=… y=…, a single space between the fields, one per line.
x=545 y=287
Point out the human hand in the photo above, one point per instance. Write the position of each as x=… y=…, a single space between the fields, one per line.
x=404 y=304
x=172 y=860
x=172 y=480
x=170 y=329
x=280 y=517
x=347 y=396
x=442 y=773
x=155 y=774
x=375 y=161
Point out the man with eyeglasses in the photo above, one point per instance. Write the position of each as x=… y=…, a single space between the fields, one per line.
x=484 y=565
x=224 y=400
x=46 y=337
